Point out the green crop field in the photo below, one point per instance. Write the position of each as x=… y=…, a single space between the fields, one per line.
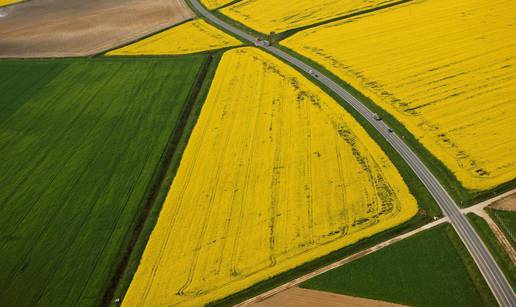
x=506 y=220
x=81 y=141
x=424 y=270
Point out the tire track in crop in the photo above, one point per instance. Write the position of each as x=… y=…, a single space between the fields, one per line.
x=214 y=189
x=213 y=192
x=157 y=182
x=212 y=195
x=62 y=208
x=462 y=157
x=347 y=135
x=287 y=151
x=241 y=159
x=29 y=171
x=61 y=166
x=21 y=91
x=129 y=194
x=81 y=225
x=50 y=148
x=141 y=121
x=277 y=165
x=344 y=214
x=58 y=97
x=308 y=167
x=241 y=217
x=234 y=253
x=49 y=222
x=19 y=88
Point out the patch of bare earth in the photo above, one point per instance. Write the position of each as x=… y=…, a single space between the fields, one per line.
x=507 y=203
x=63 y=28
x=295 y=297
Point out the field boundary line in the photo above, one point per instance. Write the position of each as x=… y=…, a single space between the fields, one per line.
x=140 y=38
x=341 y=262
x=226 y=5
x=285 y=34
x=13 y=4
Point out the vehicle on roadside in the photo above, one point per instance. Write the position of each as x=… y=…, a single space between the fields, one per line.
x=261 y=42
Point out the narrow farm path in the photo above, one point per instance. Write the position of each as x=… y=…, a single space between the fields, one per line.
x=299 y=280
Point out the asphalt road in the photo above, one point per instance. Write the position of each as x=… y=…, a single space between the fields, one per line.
x=485 y=262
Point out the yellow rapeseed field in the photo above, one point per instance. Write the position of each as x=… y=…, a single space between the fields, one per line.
x=275 y=174
x=213 y=4
x=272 y=15
x=193 y=36
x=444 y=69
x=7 y=2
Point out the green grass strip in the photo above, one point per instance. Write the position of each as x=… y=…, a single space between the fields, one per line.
x=424 y=270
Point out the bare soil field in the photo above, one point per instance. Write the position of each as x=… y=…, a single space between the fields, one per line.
x=294 y=297
x=507 y=203
x=62 y=28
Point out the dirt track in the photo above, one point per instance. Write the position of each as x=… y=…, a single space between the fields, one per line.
x=294 y=297
x=57 y=28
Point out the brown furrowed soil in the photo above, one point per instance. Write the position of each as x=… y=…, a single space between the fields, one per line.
x=305 y=297
x=507 y=203
x=60 y=28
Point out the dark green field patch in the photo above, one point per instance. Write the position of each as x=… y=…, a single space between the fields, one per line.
x=80 y=141
x=423 y=270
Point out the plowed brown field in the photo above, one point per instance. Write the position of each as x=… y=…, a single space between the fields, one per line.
x=56 y=28
x=299 y=297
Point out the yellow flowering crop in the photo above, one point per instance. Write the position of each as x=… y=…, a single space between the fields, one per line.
x=272 y=15
x=7 y=2
x=275 y=174
x=213 y=4
x=193 y=36
x=444 y=69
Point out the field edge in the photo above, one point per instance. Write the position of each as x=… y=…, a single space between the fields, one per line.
x=145 y=222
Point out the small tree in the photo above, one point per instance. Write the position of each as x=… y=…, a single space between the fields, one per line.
x=271 y=37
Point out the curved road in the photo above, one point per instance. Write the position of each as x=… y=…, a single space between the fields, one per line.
x=485 y=262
